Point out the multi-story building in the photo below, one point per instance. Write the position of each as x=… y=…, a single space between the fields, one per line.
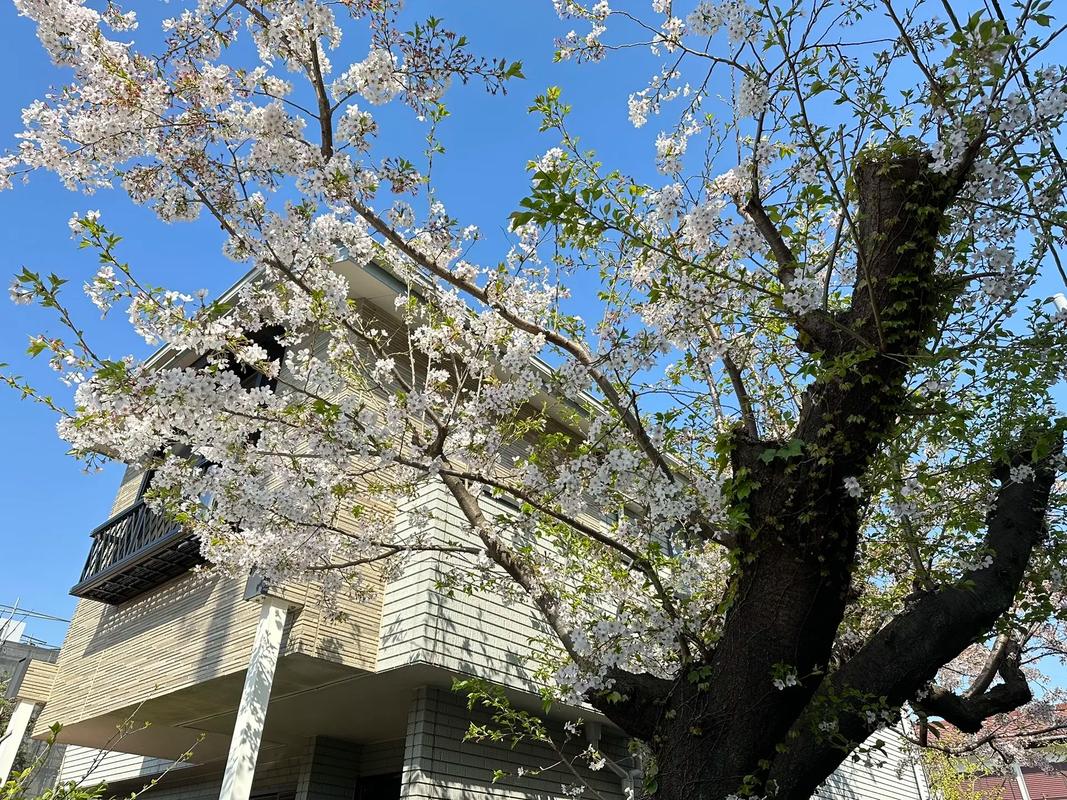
x=279 y=699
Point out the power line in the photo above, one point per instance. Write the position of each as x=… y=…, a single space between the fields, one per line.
x=14 y=610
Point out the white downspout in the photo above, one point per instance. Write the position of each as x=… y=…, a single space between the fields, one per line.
x=630 y=778
x=252 y=713
x=922 y=785
x=1020 y=781
x=920 y=780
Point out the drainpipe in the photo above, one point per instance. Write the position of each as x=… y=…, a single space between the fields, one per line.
x=922 y=785
x=1020 y=781
x=252 y=712
x=630 y=778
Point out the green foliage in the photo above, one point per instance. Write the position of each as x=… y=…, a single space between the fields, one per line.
x=953 y=778
x=792 y=449
x=507 y=724
x=511 y=726
x=21 y=778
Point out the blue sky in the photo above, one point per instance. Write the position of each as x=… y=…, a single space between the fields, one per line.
x=49 y=503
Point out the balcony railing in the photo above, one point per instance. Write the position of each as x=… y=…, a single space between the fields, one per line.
x=133 y=552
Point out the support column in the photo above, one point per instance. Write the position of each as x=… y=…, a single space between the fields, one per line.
x=252 y=713
x=418 y=776
x=330 y=770
x=13 y=736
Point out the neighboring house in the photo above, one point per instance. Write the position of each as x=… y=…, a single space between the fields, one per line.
x=1016 y=782
x=279 y=699
x=1026 y=783
x=15 y=657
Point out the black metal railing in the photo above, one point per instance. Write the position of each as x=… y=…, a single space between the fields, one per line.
x=133 y=552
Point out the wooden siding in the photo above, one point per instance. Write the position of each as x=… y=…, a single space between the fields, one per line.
x=349 y=637
x=329 y=770
x=279 y=779
x=481 y=634
x=193 y=629
x=381 y=758
x=343 y=760
x=128 y=490
x=37 y=681
x=190 y=630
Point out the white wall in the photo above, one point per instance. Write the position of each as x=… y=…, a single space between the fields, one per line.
x=882 y=774
x=87 y=765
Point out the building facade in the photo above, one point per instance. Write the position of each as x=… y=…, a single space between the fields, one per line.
x=260 y=692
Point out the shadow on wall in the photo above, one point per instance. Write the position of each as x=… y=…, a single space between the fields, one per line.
x=481 y=634
x=172 y=604
x=193 y=629
x=489 y=637
x=331 y=648
x=886 y=773
x=192 y=608
x=836 y=788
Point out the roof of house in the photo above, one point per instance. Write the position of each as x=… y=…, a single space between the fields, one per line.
x=1041 y=785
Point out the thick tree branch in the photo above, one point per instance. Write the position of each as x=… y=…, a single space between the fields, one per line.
x=967 y=712
x=816 y=325
x=748 y=415
x=781 y=251
x=325 y=115
x=905 y=655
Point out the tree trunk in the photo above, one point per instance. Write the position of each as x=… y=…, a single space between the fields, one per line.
x=722 y=727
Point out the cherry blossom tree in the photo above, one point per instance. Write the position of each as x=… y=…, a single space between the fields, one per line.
x=791 y=470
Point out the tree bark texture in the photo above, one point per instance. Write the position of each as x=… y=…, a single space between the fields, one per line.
x=722 y=727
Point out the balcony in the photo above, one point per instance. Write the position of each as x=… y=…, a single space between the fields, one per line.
x=133 y=552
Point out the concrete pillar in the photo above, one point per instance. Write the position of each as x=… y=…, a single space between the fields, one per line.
x=252 y=713
x=16 y=730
